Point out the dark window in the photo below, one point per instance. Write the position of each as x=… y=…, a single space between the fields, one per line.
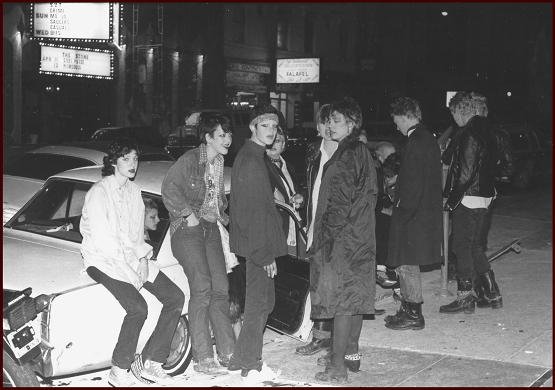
x=238 y=23
x=519 y=142
x=308 y=34
x=282 y=30
x=42 y=166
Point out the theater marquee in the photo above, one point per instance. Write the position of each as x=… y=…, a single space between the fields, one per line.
x=76 y=62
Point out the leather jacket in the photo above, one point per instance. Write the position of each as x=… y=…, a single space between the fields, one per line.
x=472 y=157
x=312 y=162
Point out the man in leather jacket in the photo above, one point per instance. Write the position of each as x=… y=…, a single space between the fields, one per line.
x=472 y=156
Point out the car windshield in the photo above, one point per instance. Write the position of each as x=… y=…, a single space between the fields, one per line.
x=56 y=212
x=42 y=166
x=192 y=119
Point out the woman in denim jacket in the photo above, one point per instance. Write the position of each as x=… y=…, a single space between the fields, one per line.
x=193 y=192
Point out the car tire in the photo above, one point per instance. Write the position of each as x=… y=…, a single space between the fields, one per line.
x=15 y=375
x=180 y=349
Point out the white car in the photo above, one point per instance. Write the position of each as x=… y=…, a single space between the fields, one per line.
x=26 y=174
x=69 y=324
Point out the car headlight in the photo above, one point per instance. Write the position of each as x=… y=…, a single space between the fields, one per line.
x=24 y=309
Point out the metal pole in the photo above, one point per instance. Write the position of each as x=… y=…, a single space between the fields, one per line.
x=444 y=292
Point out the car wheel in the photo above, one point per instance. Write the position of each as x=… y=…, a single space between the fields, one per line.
x=180 y=349
x=15 y=375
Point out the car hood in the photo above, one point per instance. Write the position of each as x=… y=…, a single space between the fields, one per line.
x=46 y=265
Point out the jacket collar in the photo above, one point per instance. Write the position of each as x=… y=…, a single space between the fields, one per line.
x=203 y=155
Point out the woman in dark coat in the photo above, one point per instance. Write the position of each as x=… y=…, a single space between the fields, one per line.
x=342 y=271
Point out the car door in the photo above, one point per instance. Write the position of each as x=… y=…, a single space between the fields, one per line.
x=291 y=314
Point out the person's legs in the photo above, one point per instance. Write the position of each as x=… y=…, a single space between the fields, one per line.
x=352 y=357
x=409 y=315
x=136 y=312
x=172 y=298
x=259 y=303
x=188 y=247
x=466 y=225
x=218 y=310
x=321 y=338
x=337 y=371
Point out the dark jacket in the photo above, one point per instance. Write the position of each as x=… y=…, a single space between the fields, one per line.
x=342 y=268
x=255 y=225
x=415 y=235
x=472 y=157
x=312 y=162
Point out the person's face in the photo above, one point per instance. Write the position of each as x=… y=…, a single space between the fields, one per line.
x=264 y=132
x=151 y=219
x=340 y=126
x=126 y=165
x=403 y=123
x=277 y=147
x=220 y=141
x=459 y=118
x=324 y=130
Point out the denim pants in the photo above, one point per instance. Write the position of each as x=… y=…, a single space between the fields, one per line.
x=470 y=230
x=259 y=303
x=199 y=251
x=157 y=347
x=410 y=282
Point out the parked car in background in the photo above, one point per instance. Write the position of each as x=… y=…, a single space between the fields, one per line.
x=69 y=324
x=531 y=155
x=24 y=174
x=144 y=135
x=186 y=137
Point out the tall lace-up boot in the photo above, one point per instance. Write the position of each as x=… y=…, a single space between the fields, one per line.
x=465 y=302
x=490 y=296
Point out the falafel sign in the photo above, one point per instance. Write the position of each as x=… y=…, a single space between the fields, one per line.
x=298 y=70
x=72 y=21
x=76 y=62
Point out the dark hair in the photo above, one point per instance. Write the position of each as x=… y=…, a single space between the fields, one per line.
x=283 y=133
x=118 y=148
x=323 y=114
x=150 y=204
x=350 y=109
x=405 y=106
x=209 y=122
x=262 y=109
x=463 y=102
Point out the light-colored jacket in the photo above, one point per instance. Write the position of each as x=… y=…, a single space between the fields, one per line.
x=114 y=244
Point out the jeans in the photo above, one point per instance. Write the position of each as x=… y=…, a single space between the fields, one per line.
x=259 y=303
x=470 y=229
x=199 y=251
x=321 y=329
x=157 y=347
x=410 y=283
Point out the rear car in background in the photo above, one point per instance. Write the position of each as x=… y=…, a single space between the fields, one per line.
x=186 y=137
x=143 y=135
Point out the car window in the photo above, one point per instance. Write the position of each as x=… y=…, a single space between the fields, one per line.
x=41 y=165
x=193 y=119
x=56 y=212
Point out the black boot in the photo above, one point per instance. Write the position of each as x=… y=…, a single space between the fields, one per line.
x=396 y=316
x=490 y=295
x=465 y=300
x=410 y=318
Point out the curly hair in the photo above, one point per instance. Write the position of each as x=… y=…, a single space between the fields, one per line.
x=209 y=122
x=118 y=148
x=150 y=204
x=350 y=109
x=463 y=102
x=480 y=103
x=405 y=106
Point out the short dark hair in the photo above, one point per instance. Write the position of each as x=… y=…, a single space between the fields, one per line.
x=350 y=109
x=405 y=106
x=283 y=133
x=323 y=114
x=391 y=165
x=118 y=148
x=463 y=102
x=150 y=204
x=262 y=109
x=209 y=122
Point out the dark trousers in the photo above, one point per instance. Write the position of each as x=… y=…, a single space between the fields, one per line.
x=199 y=251
x=470 y=229
x=259 y=303
x=321 y=329
x=157 y=347
x=410 y=282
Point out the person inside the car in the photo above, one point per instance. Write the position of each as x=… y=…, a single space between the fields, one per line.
x=193 y=192
x=342 y=255
x=116 y=255
x=151 y=218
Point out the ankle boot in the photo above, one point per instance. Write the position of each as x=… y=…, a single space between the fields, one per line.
x=465 y=300
x=410 y=318
x=491 y=296
x=396 y=316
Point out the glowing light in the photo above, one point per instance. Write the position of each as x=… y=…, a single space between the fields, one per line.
x=444 y=13
x=509 y=93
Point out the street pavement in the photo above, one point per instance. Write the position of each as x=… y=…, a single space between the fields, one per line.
x=512 y=346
